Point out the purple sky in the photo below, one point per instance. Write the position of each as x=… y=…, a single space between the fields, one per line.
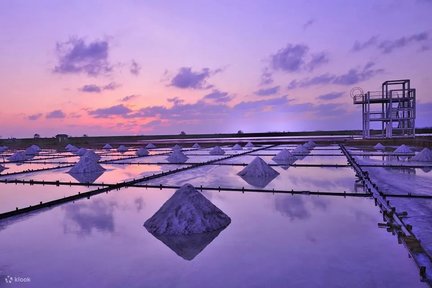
x=155 y=67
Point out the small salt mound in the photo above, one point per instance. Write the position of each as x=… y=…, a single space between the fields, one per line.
x=3 y=149
x=196 y=146
x=424 y=155
x=2 y=168
x=177 y=147
x=142 y=152
x=122 y=149
x=258 y=173
x=237 y=147
x=299 y=150
x=217 y=151
x=177 y=156
x=379 y=146
x=71 y=148
x=249 y=145
x=284 y=157
x=18 y=156
x=150 y=146
x=107 y=147
x=309 y=145
x=81 y=151
x=403 y=149
x=187 y=212
x=87 y=164
x=32 y=150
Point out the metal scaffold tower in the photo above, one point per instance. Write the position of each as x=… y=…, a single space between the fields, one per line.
x=393 y=109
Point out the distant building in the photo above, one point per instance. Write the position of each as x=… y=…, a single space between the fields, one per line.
x=36 y=136
x=62 y=138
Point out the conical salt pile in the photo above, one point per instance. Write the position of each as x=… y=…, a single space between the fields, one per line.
x=217 y=151
x=150 y=146
x=379 y=146
x=177 y=156
x=196 y=146
x=258 y=173
x=249 y=145
x=18 y=156
x=424 y=155
x=403 y=149
x=237 y=147
x=2 y=168
x=107 y=146
x=122 y=149
x=142 y=152
x=32 y=150
x=3 y=149
x=284 y=157
x=299 y=150
x=187 y=212
x=87 y=164
x=81 y=151
x=71 y=148
x=176 y=147
x=309 y=145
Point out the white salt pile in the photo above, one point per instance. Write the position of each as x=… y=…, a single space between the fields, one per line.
x=122 y=149
x=150 y=146
x=32 y=150
x=177 y=156
x=2 y=168
x=71 y=148
x=379 y=146
x=424 y=155
x=187 y=212
x=284 y=157
x=403 y=149
x=309 y=145
x=87 y=164
x=3 y=149
x=81 y=151
x=237 y=147
x=299 y=150
x=18 y=156
x=107 y=147
x=176 y=147
x=249 y=145
x=142 y=152
x=196 y=146
x=217 y=151
x=258 y=173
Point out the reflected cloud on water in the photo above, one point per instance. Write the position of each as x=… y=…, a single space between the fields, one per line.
x=296 y=208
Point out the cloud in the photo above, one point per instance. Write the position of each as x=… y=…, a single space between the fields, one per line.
x=266 y=77
x=388 y=46
x=353 y=76
x=128 y=98
x=296 y=58
x=308 y=24
x=135 y=68
x=186 y=78
x=218 y=96
x=92 y=88
x=117 y=110
x=331 y=95
x=267 y=91
x=56 y=114
x=34 y=116
x=76 y=56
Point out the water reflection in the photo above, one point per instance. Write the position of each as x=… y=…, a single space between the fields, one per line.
x=295 y=208
x=83 y=218
x=260 y=182
x=139 y=204
x=90 y=177
x=188 y=246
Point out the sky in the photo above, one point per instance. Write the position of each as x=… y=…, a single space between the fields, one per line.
x=162 y=67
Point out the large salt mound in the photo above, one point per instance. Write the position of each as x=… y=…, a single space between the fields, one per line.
x=142 y=152
x=122 y=149
x=177 y=156
x=403 y=149
x=237 y=147
x=424 y=155
x=249 y=145
x=217 y=151
x=187 y=212
x=258 y=173
x=107 y=147
x=18 y=156
x=87 y=164
x=150 y=146
x=379 y=146
x=300 y=150
x=196 y=146
x=284 y=157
